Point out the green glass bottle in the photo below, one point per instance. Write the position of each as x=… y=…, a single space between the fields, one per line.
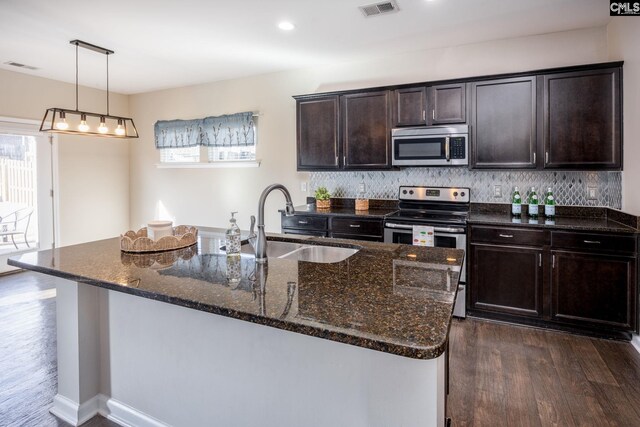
x=549 y=204
x=533 y=203
x=516 y=203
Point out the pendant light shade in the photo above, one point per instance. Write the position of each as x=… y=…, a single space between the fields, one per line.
x=64 y=120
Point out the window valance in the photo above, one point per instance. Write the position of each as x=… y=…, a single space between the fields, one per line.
x=231 y=130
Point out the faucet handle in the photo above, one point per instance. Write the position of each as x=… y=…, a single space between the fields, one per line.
x=252 y=231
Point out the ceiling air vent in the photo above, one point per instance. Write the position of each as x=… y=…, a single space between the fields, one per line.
x=379 y=8
x=19 y=65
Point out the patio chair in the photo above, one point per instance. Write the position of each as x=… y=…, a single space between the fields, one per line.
x=16 y=223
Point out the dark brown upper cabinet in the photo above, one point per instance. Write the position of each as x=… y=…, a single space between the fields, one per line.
x=447 y=104
x=318 y=133
x=410 y=106
x=503 y=123
x=366 y=131
x=582 y=119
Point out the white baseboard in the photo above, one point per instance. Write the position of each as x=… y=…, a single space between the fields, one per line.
x=71 y=412
x=125 y=415
x=635 y=341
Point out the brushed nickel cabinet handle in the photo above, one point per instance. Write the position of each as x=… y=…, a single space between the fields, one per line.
x=593 y=242
x=433 y=114
x=507 y=236
x=546 y=157
x=336 y=160
x=539 y=260
x=303 y=222
x=534 y=158
x=424 y=115
x=553 y=261
x=354 y=225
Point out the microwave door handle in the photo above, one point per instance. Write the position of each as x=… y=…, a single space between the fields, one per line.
x=446 y=149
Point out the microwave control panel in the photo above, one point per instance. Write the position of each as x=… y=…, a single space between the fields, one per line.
x=458 y=149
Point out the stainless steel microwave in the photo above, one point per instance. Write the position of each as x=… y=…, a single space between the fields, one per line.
x=431 y=146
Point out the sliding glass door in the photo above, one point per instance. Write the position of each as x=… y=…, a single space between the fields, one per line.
x=26 y=196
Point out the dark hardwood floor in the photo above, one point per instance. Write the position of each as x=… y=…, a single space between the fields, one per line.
x=28 y=370
x=504 y=375
x=501 y=375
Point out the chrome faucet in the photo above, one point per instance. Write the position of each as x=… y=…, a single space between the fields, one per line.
x=261 y=244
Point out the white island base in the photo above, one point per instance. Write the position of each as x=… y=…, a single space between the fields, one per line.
x=141 y=362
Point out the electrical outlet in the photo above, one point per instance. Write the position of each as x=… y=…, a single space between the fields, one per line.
x=362 y=187
x=592 y=193
x=497 y=191
x=303 y=186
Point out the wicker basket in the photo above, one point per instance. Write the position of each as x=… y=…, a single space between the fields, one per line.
x=183 y=236
x=323 y=204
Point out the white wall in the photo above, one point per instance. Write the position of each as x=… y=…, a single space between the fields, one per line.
x=207 y=196
x=624 y=44
x=93 y=172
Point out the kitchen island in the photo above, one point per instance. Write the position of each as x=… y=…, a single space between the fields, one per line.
x=168 y=339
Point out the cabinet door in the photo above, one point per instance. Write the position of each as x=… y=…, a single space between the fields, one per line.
x=507 y=279
x=317 y=136
x=366 y=135
x=447 y=104
x=582 y=120
x=593 y=290
x=410 y=106
x=503 y=119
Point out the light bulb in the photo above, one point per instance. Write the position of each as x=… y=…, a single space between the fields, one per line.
x=62 y=125
x=120 y=130
x=103 y=127
x=83 y=126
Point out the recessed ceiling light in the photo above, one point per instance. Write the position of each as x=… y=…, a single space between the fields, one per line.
x=286 y=26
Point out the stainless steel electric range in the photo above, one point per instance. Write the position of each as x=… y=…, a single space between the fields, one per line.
x=444 y=208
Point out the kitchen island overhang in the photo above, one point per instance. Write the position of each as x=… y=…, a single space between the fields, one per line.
x=130 y=358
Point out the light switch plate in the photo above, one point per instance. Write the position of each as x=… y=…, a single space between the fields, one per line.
x=362 y=187
x=592 y=193
x=497 y=191
x=303 y=186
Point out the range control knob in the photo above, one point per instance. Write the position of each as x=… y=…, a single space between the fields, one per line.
x=462 y=194
x=410 y=191
x=455 y=194
x=404 y=191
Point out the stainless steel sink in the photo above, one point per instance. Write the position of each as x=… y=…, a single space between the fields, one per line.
x=320 y=254
x=301 y=252
x=275 y=249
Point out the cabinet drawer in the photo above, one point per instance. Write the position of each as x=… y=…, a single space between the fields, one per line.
x=357 y=237
x=306 y=222
x=509 y=236
x=356 y=226
x=593 y=242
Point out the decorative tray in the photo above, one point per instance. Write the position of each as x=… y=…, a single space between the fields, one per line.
x=183 y=236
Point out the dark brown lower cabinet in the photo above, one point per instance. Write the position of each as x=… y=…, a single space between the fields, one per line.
x=507 y=279
x=593 y=289
x=575 y=281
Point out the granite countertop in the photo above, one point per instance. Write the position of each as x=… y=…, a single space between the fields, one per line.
x=595 y=224
x=377 y=212
x=392 y=298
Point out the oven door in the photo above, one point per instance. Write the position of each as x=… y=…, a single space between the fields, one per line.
x=444 y=237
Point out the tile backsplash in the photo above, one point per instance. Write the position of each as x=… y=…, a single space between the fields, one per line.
x=569 y=187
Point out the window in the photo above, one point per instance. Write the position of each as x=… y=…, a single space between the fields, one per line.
x=223 y=140
x=180 y=155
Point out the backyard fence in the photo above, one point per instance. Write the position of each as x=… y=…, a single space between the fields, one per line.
x=18 y=181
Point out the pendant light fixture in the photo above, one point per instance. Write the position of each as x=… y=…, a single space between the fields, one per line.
x=63 y=120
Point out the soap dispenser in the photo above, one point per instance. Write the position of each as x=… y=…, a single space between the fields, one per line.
x=232 y=237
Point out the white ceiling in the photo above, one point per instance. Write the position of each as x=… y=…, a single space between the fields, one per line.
x=161 y=44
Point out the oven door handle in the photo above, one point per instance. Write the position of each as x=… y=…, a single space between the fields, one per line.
x=435 y=229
